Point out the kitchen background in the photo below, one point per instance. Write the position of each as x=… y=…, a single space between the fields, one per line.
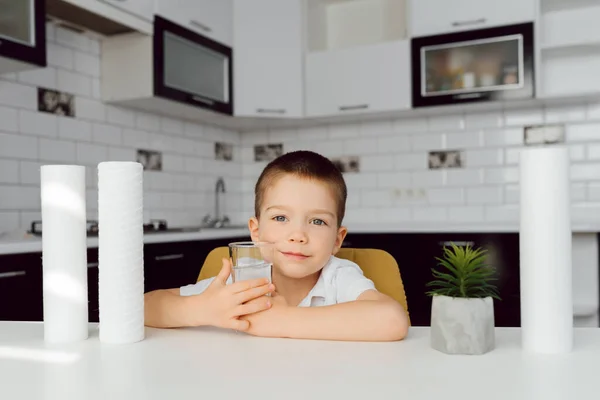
x=183 y=192
x=396 y=180
x=445 y=170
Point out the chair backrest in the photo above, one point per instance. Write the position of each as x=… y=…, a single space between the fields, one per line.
x=377 y=265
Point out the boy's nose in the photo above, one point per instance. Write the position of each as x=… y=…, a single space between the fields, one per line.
x=298 y=236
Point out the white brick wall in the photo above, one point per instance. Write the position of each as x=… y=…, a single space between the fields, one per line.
x=182 y=193
x=395 y=185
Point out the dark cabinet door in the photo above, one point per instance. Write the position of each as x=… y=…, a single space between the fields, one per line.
x=502 y=254
x=201 y=249
x=21 y=287
x=92 y=281
x=415 y=254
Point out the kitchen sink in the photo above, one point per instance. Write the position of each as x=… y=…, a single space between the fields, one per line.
x=197 y=229
x=226 y=227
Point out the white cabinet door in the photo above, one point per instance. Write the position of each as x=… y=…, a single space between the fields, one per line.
x=140 y=8
x=359 y=80
x=210 y=18
x=268 y=58
x=431 y=17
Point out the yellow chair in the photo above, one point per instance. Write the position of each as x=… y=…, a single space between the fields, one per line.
x=377 y=265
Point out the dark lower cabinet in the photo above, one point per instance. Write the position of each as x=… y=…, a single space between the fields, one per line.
x=416 y=252
x=175 y=264
x=166 y=265
x=92 y=281
x=172 y=265
x=21 y=287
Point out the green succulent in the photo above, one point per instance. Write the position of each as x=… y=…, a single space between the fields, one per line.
x=463 y=273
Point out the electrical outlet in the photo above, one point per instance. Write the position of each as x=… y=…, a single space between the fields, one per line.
x=544 y=134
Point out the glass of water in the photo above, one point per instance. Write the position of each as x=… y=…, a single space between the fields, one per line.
x=251 y=260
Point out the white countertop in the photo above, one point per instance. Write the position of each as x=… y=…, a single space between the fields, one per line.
x=33 y=244
x=201 y=363
x=25 y=243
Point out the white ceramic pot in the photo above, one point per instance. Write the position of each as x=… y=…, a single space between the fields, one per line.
x=462 y=325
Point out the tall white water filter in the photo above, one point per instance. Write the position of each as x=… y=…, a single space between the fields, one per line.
x=545 y=250
x=120 y=252
x=64 y=253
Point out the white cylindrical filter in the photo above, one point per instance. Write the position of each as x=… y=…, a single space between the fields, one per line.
x=120 y=252
x=545 y=250
x=64 y=253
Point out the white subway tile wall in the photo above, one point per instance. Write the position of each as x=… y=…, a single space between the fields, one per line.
x=395 y=186
x=182 y=193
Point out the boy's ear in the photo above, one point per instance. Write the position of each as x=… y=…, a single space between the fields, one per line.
x=253 y=228
x=341 y=235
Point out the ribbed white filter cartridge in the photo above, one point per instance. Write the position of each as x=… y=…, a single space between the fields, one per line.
x=121 y=252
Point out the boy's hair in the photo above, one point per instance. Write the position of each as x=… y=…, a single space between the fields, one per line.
x=303 y=164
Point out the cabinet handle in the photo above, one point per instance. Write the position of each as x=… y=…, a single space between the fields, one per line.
x=92 y=265
x=169 y=257
x=271 y=110
x=200 y=25
x=355 y=107
x=471 y=22
x=202 y=100
x=12 y=274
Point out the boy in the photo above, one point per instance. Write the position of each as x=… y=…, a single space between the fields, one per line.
x=300 y=201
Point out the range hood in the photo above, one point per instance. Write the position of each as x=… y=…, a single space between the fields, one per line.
x=96 y=16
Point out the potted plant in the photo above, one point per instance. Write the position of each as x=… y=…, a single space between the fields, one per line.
x=462 y=309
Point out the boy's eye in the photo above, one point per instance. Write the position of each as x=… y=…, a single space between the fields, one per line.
x=279 y=218
x=319 y=222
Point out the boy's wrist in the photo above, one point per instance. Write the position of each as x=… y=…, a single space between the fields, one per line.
x=193 y=311
x=289 y=321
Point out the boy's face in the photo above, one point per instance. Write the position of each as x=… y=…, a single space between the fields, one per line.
x=300 y=216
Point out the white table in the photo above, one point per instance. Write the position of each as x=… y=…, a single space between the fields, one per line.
x=214 y=364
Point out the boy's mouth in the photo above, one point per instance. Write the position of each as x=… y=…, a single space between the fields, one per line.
x=294 y=256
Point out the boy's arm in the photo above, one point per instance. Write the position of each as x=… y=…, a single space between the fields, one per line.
x=167 y=309
x=372 y=317
x=211 y=301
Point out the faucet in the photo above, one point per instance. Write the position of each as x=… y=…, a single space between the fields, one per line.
x=219 y=188
x=217 y=221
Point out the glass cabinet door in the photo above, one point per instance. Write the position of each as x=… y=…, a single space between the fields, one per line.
x=192 y=68
x=17 y=21
x=22 y=35
x=197 y=69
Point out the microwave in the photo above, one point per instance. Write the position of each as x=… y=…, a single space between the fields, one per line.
x=480 y=65
x=192 y=69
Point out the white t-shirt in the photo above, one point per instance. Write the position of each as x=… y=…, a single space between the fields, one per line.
x=340 y=281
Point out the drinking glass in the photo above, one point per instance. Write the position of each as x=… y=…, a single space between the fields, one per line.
x=251 y=260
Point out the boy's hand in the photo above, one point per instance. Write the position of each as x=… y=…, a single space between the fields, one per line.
x=269 y=323
x=225 y=304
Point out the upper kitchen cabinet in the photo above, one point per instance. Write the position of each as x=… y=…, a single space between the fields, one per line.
x=432 y=17
x=175 y=72
x=22 y=35
x=268 y=43
x=107 y=17
x=140 y=8
x=569 y=37
x=358 y=58
x=210 y=18
x=367 y=79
